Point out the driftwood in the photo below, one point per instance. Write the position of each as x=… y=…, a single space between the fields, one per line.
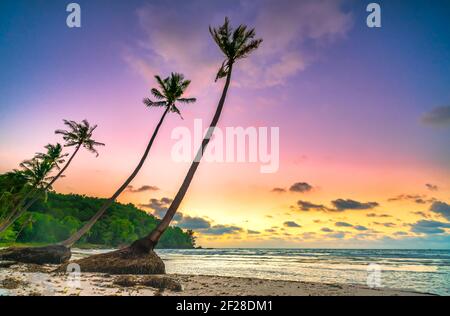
x=54 y=254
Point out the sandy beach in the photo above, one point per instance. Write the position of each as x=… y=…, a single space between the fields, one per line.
x=26 y=279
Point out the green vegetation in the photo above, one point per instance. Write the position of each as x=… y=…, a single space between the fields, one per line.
x=61 y=215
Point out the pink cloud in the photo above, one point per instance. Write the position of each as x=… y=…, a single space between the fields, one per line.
x=175 y=41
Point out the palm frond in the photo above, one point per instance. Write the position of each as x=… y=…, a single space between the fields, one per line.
x=223 y=70
x=187 y=100
x=174 y=109
x=246 y=50
x=157 y=94
x=151 y=103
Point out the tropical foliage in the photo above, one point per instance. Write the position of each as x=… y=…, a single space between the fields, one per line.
x=61 y=215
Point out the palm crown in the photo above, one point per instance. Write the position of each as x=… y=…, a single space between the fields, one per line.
x=36 y=172
x=54 y=155
x=234 y=44
x=171 y=90
x=80 y=134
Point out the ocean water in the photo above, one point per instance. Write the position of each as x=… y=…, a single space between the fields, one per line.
x=418 y=270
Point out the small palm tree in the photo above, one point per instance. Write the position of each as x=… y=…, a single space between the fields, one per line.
x=36 y=171
x=52 y=159
x=171 y=91
x=235 y=45
x=78 y=135
x=36 y=174
x=53 y=155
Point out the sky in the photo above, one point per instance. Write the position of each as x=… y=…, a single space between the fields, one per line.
x=363 y=114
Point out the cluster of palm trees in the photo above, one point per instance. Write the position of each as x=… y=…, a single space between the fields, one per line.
x=35 y=174
x=235 y=44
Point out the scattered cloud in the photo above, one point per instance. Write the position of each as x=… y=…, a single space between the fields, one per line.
x=343 y=224
x=291 y=224
x=278 y=190
x=143 y=188
x=423 y=214
x=429 y=227
x=308 y=235
x=286 y=25
x=188 y=222
x=336 y=235
x=416 y=198
x=292 y=23
x=390 y=224
x=253 y=232
x=439 y=117
x=342 y=205
x=222 y=230
x=432 y=187
x=327 y=230
x=378 y=215
x=441 y=208
x=159 y=207
x=300 y=187
x=308 y=206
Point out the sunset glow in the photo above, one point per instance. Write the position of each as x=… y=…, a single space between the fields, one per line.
x=351 y=104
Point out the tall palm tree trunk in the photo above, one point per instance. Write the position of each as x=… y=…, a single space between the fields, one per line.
x=75 y=237
x=18 y=210
x=149 y=242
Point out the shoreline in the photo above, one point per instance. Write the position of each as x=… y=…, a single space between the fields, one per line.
x=28 y=279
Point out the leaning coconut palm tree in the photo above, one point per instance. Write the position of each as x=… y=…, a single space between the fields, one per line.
x=140 y=258
x=53 y=154
x=35 y=173
x=234 y=44
x=171 y=91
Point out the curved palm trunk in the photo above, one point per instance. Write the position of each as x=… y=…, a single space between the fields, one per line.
x=75 y=237
x=149 y=242
x=18 y=210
